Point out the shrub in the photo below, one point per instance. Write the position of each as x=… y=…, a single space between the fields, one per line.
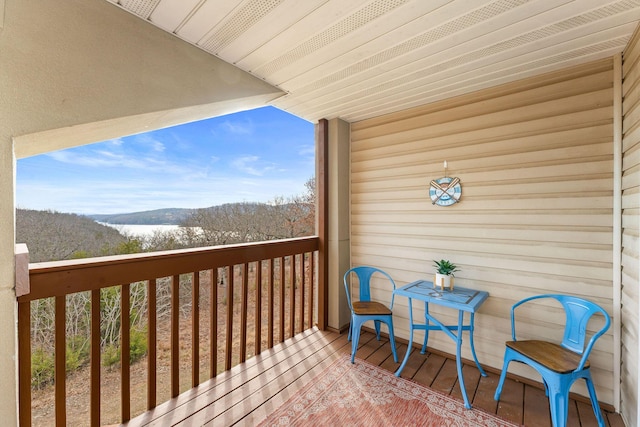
x=139 y=345
x=42 y=368
x=77 y=353
x=111 y=355
x=137 y=349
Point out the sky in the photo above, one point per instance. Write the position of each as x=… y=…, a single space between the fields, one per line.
x=252 y=156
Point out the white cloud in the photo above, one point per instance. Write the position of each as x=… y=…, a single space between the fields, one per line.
x=238 y=128
x=117 y=142
x=150 y=142
x=307 y=151
x=249 y=165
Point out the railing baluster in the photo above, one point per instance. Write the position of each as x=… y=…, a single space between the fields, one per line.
x=213 y=324
x=195 y=330
x=60 y=361
x=243 y=312
x=292 y=295
x=175 y=336
x=281 y=262
x=258 y=309
x=152 y=314
x=95 y=358
x=311 y=289
x=24 y=363
x=270 y=280
x=302 y=292
x=125 y=352
x=229 y=349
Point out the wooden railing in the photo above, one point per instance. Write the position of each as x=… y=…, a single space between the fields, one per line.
x=282 y=301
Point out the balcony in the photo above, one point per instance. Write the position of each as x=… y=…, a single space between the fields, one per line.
x=223 y=383
x=270 y=286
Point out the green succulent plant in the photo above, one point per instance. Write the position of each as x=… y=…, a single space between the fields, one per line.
x=445 y=267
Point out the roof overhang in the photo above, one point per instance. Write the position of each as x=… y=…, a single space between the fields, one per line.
x=356 y=59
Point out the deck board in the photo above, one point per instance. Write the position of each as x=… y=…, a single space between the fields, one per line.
x=573 y=419
x=510 y=406
x=483 y=398
x=535 y=407
x=248 y=393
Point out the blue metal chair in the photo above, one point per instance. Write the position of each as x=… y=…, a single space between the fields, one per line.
x=364 y=309
x=560 y=365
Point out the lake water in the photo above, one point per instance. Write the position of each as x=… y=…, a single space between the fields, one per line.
x=141 y=229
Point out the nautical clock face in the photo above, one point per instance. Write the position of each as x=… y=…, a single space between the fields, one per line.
x=445 y=191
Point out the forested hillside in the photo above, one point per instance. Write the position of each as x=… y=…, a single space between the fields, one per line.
x=249 y=222
x=154 y=217
x=54 y=236
x=58 y=236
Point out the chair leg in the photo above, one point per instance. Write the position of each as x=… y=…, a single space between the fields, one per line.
x=349 y=334
x=594 y=400
x=392 y=341
x=377 y=326
x=558 y=400
x=355 y=337
x=503 y=375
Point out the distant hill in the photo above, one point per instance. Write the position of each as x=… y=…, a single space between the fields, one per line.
x=171 y=216
x=53 y=236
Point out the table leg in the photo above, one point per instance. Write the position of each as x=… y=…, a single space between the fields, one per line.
x=406 y=356
x=426 y=331
x=473 y=348
x=463 y=389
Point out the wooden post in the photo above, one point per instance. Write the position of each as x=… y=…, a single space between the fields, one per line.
x=322 y=185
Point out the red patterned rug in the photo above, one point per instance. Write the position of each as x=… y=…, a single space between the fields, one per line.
x=365 y=395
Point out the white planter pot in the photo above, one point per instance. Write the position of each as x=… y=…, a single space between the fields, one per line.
x=442 y=281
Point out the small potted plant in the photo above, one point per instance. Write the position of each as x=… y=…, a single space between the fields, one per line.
x=444 y=274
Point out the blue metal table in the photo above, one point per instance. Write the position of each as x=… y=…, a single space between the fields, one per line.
x=461 y=299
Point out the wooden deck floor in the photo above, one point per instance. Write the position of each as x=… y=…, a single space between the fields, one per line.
x=245 y=395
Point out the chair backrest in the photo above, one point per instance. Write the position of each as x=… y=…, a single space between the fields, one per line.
x=364 y=274
x=578 y=312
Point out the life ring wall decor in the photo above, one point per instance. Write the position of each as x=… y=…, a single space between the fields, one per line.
x=445 y=191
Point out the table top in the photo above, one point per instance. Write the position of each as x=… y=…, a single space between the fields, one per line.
x=459 y=298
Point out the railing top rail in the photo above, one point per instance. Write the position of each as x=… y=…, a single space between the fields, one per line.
x=56 y=278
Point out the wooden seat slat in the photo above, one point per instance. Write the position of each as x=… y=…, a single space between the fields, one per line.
x=370 y=307
x=550 y=355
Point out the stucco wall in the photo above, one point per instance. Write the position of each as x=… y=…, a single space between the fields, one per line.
x=82 y=71
x=89 y=65
x=535 y=159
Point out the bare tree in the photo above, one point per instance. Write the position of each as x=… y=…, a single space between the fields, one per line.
x=250 y=222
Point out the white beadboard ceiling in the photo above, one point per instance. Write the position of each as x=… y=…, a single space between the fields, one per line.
x=357 y=59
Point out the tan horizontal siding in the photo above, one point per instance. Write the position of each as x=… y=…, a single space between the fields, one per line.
x=630 y=229
x=535 y=162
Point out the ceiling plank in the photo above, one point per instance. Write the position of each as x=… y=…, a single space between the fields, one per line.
x=170 y=15
x=205 y=19
x=288 y=38
x=475 y=57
